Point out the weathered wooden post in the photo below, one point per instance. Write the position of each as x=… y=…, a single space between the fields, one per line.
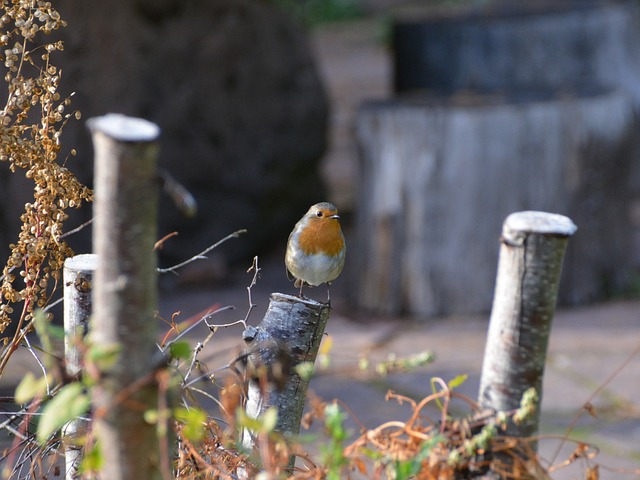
x=77 y=280
x=125 y=293
x=531 y=254
x=289 y=334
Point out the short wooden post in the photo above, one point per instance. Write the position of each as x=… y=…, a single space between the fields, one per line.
x=125 y=293
x=531 y=254
x=290 y=333
x=77 y=279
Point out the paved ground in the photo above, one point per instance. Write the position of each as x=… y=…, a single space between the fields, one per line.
x=594 y=357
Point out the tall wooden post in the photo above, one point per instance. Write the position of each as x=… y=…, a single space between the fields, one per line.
x=531 y=254
x=125 y=293
x=77 y=280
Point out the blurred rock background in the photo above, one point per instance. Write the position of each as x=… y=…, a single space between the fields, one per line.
x=235 y=90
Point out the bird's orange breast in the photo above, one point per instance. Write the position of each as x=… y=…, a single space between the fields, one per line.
x=321 y=236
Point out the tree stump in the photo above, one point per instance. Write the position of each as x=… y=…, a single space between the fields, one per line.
x=292 y=327
x=438 y=175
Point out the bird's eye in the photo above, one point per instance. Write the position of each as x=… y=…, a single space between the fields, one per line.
x=318 y=213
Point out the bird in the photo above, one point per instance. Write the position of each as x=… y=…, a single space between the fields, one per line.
x=316 y=248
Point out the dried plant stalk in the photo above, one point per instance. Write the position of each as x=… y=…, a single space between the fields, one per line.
x=31 y=124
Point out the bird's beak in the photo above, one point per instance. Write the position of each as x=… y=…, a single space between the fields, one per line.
x=336 y=216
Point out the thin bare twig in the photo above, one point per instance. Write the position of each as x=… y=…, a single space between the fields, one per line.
x=213 y=327
x=210 y=397
x=204 y=319
x=40 y=364
x=587 y=403
x=51 y=305
x=194 y=358
x=256 y=273
x=208 y=375
x=202 y=255
x=183 y=198
x=77 y=229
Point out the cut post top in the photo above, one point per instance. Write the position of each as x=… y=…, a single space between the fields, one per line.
x=538 y=222
x=82 y=262
x=123 y=128
x=285 y=297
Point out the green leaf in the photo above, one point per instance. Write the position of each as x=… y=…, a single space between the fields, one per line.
x=333 y=452
x=180 y=350
x=193 y=421
x=30 y=387
x=69 y=403
x=455 y=382
x=151 y=416
x=269 y=419
x=92 y=461
x=334 y=419
x=104 y=356
x=265 y=423
x=305 y=370
x=406 y=469
x=160 y=418
x=364 y=364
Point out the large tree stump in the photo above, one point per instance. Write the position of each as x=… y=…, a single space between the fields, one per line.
x=439 y=175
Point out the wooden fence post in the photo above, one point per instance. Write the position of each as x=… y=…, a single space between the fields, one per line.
x=125 y=294
x=531 y=254
x=289 y=333
x=77 y=279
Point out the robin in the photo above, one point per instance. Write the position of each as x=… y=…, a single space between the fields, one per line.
x=316 y=248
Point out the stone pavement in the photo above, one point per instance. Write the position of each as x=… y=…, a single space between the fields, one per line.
x=594 y=356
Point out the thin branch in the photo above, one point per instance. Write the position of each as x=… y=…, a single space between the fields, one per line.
x=51 y=305
x=592 y=397
x=77 y=229
x=213 y=399
x=40 y=364
x=208 y=375
x=254 y=281
x=202 y=255
x=225 y=325
x=8 y=272
x=194 y=358
x=184 y=200
x=204 y=319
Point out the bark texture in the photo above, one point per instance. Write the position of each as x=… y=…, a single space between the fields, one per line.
x=290 y=333
x=531 y=254
x=125 y=293
x=77 y=284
